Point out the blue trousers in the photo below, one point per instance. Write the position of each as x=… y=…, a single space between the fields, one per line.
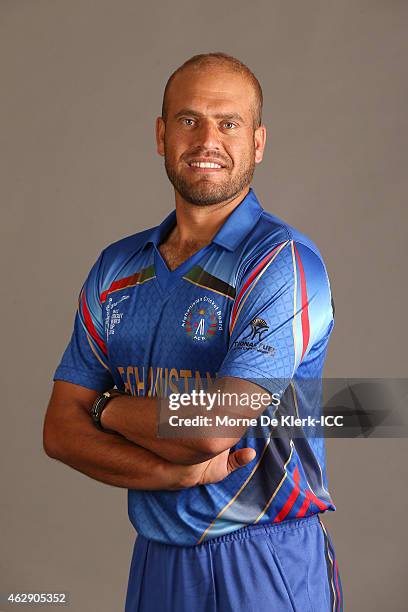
x=283 y=567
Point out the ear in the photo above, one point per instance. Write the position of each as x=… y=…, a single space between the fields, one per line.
x=260 y=141
x=160 y=129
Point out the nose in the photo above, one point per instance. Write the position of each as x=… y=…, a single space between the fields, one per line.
x=208 y=135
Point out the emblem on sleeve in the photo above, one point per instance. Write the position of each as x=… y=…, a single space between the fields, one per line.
x=253 y=341
x=259 y=328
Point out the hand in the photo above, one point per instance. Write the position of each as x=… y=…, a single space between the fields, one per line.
x=219 y=467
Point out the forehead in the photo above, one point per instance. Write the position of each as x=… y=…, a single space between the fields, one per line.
x=211 y=89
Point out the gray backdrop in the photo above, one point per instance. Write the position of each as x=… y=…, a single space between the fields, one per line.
x=81 y=84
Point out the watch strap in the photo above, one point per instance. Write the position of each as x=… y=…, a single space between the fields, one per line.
x=99 y=406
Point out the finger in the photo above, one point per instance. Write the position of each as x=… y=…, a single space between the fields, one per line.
x=240 y=458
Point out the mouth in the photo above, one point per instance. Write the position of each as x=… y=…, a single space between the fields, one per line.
x=200 y=165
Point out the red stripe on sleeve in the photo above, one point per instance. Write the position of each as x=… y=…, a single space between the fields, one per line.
x=90 y=326
x=304 y=317
x=249 y=281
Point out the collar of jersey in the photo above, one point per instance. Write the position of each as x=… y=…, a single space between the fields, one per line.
x=230 y=235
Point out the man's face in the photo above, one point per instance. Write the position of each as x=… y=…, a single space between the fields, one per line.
x=208 y=141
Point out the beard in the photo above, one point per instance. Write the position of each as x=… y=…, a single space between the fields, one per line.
x=204 y=191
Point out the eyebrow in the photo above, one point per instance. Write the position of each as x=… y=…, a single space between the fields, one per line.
x=225 y=116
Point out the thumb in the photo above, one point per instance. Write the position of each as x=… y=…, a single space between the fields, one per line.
x=241 y=457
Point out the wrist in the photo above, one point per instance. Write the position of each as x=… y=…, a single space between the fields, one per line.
x=174 y=476
x=184 y=476
x=100 y=406
x=107 y=420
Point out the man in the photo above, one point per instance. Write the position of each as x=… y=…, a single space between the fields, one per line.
x=225 y=297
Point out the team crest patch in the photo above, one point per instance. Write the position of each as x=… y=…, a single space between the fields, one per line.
x=202 y=319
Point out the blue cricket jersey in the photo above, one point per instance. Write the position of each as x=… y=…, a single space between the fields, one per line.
x=256 y=304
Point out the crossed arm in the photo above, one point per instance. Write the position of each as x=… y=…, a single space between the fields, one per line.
x=136 y=418
x=134 y=458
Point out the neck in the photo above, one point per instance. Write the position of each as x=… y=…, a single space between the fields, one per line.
x=201 y=223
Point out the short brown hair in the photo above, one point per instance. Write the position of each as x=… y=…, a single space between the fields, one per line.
x=219 y=59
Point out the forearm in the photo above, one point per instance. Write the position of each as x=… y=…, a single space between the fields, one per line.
x=112 y=459
x=143 y=432
x=136 y=418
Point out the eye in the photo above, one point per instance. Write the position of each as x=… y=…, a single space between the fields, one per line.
x=187 y=121
x=228 y=125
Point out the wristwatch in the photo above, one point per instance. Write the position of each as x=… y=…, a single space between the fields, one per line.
x=99 y=406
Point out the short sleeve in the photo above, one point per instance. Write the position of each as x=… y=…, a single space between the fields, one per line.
x=84 y=361
x=283 y=308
